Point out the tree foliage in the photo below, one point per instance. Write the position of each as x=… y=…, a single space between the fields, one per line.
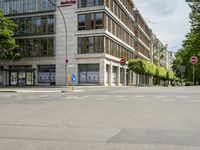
x=8 y=47
x=191 y=45
x=143 y=67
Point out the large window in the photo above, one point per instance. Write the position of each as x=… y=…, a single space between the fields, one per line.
x=37 y=46
x=12 y=7
x=81 y=22
x=99 y=20
x=90 y=44
x=89 y=73
x=89 y=3
x=46 y=74
x=35 y=25
x=90 y=21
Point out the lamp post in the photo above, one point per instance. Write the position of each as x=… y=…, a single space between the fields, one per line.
x=66 y=60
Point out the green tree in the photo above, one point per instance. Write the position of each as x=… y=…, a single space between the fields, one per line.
x=8 y=47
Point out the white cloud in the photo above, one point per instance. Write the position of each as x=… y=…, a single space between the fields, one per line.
x=168 y=19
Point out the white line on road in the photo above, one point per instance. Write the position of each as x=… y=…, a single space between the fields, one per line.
x=168 y=100
x=139 y=96
x=183 y=97
x=120 y=96
x=194 y=100
x=159 y=96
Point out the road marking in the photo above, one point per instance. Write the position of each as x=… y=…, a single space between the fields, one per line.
x=139 y=96
x=145 y=100
x=120 y=96
x=103 y=96
x=183 y=97
x=168 y=100
x=194 y=100
x=159 y=96
x=71 y=97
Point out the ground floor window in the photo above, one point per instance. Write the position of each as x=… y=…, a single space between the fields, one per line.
x=46 y=74
x=21 y=75
x=89 y=73
x=107 y=73
x=114 y=75
x=1 y=75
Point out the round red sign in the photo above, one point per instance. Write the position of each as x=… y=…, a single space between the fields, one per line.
x=122 y=61
x=193 y=60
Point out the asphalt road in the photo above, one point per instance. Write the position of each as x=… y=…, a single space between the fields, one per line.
x=102 y=118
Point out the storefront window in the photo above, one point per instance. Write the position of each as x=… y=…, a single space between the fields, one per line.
x=46 y=73
x=89 y=73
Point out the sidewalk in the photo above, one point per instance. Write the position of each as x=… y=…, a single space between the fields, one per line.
x=40 y=89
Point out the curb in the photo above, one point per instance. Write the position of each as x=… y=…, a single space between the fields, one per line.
x=40 y=91
x=8 y=91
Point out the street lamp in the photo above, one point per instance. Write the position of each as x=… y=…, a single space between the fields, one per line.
x=66 y=60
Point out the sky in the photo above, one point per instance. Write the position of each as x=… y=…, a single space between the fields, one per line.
x=168 y=19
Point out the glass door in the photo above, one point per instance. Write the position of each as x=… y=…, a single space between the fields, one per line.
x=22 y=78
x=29 y=78
x=13 y=78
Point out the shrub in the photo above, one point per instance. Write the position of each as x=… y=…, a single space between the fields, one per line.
x=188 y=83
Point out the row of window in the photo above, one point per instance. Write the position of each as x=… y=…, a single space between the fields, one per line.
x=117 y=50
x=129 y=6
x=90 y=21
x=142 y=37
x=140 y=48
x=120 y=13
x=142 y=24
x=96 y=45
x=119 y=31
x=35 y=25
x=37 y=46
x=89 y=3
x=93 y=44
x=12 y=7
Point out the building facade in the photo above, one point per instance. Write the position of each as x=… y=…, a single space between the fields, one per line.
x=99 y=34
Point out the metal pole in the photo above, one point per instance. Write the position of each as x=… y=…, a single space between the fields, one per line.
x=193 y=74
x=66 y=68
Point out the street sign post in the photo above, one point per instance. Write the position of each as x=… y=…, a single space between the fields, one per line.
x=73 y=79
x=193 y=61
x=123 y=63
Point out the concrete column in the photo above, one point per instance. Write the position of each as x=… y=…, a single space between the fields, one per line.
x=134 y=78
x=35 y=74
x=101 y=72
x=118 y=76
x=130 y=79
x=6 y=77
x=125 y=76
x=110 y=74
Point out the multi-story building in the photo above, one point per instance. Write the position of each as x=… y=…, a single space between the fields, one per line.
x=142 y=44
x=36 y=36
x=99 y=34
x=143 y=37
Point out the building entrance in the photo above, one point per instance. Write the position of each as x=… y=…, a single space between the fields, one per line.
x=19 y=76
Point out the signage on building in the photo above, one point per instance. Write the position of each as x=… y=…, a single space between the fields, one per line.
x=65 y=3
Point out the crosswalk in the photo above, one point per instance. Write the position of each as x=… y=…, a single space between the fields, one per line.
x=113 y=97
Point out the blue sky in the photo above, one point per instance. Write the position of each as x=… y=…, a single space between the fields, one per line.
x=168 y=19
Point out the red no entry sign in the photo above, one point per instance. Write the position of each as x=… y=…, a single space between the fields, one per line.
x=193 y=60
x=122 y=61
